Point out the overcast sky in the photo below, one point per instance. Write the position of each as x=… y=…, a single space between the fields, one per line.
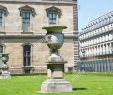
x=90 y=9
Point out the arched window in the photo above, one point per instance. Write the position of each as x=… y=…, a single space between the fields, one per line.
x=27 y=55
x=26 y=12
x=53 y=14
x=3 y=13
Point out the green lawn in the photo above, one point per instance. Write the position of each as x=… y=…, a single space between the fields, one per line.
x=84 y=84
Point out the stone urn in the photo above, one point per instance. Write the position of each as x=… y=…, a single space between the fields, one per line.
x=5 y=74
x=55 y=39
x=55 y=63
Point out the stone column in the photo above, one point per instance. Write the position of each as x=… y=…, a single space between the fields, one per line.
x=94 y=50
x=103 y=49
x=106 y=48
x=110 y=48
x=91 y=51
x=97 y=50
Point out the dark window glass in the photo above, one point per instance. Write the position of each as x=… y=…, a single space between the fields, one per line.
x=52 y=17
x=25 y=21
x=1 y=18
x=1 y=49
x=27 y=55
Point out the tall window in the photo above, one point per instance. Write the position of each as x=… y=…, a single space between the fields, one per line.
x=53 y=14
x=1 y=20
x=52 y=17
x=27 y=55
x=3 y=13
x=1 y=49
x=26 y=21
x=26 y=12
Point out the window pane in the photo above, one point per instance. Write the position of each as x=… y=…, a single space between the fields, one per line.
x=25 y=27
x=52 y=18
x=26 y=21
x=23 y=15
x=27 y=55
x=54 y=15
x=1 y=14
x=0 y=27
x=1 y=49
x=27 y=15
x=0 y=20
x=50 y=15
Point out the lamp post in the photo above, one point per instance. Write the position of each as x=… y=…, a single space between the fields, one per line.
x=55 y=64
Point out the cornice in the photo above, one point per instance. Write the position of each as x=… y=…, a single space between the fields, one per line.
x=58 y=2
x=34 y=36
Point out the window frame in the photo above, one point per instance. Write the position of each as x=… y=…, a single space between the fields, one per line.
x=53 y=10
x=27 y=58
x=1 y=46
x=26 y=21
x=53 y=18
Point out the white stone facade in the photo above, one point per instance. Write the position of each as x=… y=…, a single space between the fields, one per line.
x=96 y=39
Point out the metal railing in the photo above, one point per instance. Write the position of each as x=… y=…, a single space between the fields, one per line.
x=100 y=65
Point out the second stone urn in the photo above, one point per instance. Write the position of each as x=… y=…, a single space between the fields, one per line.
x=55 y=66
x=5 y=74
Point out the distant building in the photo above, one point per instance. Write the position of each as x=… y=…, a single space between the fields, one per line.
x=96 y=45
x=22 y=36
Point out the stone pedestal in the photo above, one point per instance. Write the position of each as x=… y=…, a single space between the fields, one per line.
x=55 y=66
x=56 y=81
x=5 y=73
x=56 y=85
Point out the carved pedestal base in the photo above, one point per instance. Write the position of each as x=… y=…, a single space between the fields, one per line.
x=5 y=75
x=56 y=81
x=56 y=85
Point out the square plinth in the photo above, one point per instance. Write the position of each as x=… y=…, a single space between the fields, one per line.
x=55 y=71
x=5 y=75
x=56 y=85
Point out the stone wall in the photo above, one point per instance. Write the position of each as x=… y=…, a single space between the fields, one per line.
x=13 y=38
x=39 y=20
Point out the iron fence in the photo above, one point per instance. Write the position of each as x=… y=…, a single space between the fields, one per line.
x=95 y=66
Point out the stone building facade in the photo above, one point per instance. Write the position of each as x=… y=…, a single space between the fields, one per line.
x=22 y=36
x=96 y=44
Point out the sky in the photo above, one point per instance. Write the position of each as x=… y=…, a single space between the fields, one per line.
x=89 y=10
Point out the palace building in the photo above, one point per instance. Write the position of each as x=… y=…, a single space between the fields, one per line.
x=96 y=45
x=22 y=36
